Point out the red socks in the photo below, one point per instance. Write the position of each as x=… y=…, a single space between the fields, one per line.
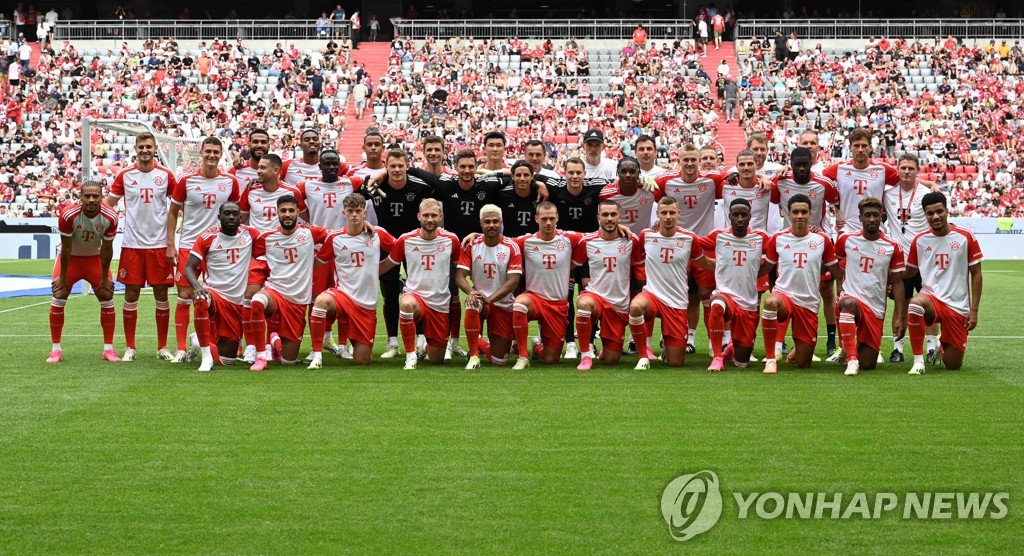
x=584 y=329
x=848 y=334
x=56 y=319
x=317 y=327
x=408 y=328
x=714 y=318
x=181 y=318
x=163 y=321
x=769 y=329
x=916 y=328
x=473 y=331
x=202 y=322
x=259 y=324
x=521 y=328
x=108 y=319
x=639 y=332
x=130 y=316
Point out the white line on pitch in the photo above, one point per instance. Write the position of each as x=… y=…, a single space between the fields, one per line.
x=23 y=307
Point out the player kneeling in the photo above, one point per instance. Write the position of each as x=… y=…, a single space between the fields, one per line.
x=494 y=263
x=354 y=253
x=87 y=229
x=226 y=253
x=871 y=260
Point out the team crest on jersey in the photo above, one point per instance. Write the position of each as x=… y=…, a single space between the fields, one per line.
x=158 y=181
x=880 y=251
x=501 y=257
x=752 y=242
x=643 y=201
x=560 y=245
x=410 y=196
x=702 y=188
x=680 y=243
x=123 y=273
x=955 y=246
x=759 y=194
x=442 y=246
x=588 y=201
x=370 y=241
x=623 y=249
x=873 y=174
x=481 y=195
x=813 y=195
x=302 y=238
x=222 y=187
x=814 y=245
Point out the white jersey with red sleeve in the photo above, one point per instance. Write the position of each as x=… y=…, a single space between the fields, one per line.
x=636 y=209
x=855 y=184
x=261 y=205
x=547 y=263
x=200 y=199
x=696 y=199
x=324 y=200
x=355 y=260
x=145 y=205
x=226 y=259
x=428 y=263
x=799 y=261
x=944 y=262
x=295 y=171
x=868 y=266
x=489 y=267
x=737 y=264
x=819 y=189
x=760 y=204
x=667 y=265
x=289 y=259
x=613 y=262
x=245 y=176
x=87 y=234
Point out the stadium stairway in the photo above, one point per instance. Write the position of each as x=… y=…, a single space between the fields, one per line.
x=730 y=135
x=375 y=57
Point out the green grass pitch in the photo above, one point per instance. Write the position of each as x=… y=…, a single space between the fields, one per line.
x=151 y=457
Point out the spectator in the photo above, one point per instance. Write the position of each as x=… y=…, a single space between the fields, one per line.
x=357 y=29
x=374 y=27
x=639 y=36
x=323 y=25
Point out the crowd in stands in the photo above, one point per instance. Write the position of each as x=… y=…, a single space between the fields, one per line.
x=954 y=104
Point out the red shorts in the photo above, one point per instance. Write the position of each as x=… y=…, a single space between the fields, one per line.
x=705 y=278
x=613 y=322
x=763 y=284
x=257 y=272
x=805 y=322
x=954 y=325
x=225 y=319
x=552 y=316
x=141 y=267
x=674 y=325
x=435 y=324
x=361 y=323
x=499 y=323
x=88 y=268
x=743 y=324
x=826 y=276
x=869 y=327
x=179 y=273
x=323 y=278
x=292 y=315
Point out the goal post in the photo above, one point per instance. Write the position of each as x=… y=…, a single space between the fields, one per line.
x=182 y=155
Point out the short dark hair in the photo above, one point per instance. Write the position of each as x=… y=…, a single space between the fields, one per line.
x=211 y=140
x=226 y=204
x=745 y=152
x=801 y=152
x=521 y=164
x=533 y=143
x=576 y=160
x=911 y=157
x=373 y=133
x=643 y=138
x=627 y=160
x=608 y=202
x=285 y=199
x=433 y=139
x=258 y=131
x=309 y=130
x=798 y=198
x=273 y=159
x=870 y=202
x=465 y=153
x=932 y=198
x=496 y=135
x=93 y=183
x=739 y=201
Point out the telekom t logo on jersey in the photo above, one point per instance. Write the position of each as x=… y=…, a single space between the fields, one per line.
x=428 y=261
x=357 y=258
x=490 y=270
x=631 y=214
x=861 y=186
x=232 y=255
x=330 y=199
x=269 y=213
x=690 y=201
x=610 y=264
x=739 y=257
x=548 y=260
x=291 y=253
x=209 y=200
x=866 y=264
x=146 y=194
x=87 y=235
x=667 y=254
x=800 y=259
x=942 y=260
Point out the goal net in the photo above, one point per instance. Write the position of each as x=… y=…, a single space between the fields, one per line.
x=112 y=144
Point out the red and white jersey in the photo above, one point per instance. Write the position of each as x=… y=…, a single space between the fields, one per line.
x=227 y=261
x=489 y=266
x=245 y=175
x=355 y=260
x=324 y=201
x=87 y=233
x=904 y=215
x=295 y=171
x=868 y=266
x=428 y=264
x=290 y=260
x=261 y=206
x=547 y=263
x=696 y=199
x=855 y=184
x=200 y=199
x=362 y=172
x=737 y=263
x=760 y=204
x=819 y=189
x=655 y=172
x=667 y=265
x=799 y=261
x=636 y=209
x=613 y=263
x=943 y=262
x=145 y=205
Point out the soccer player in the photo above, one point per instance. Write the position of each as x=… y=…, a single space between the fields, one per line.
x=738 y=252
x=494 y=263
x=800 y=254
x=430 y=254
x=146 y=188
x=259 y=146
x=535 y=153
x=353 y=255
x=905 y=220
x=820 y=190
x=225 y=254
x=87 y=231
x=613 y=261
x=872 y=260
x=518 y=201
x=647 y=155
x=323 y=198
x=748 y=188
x=259 y=211
x=597 y=165
x=495 y=146
x=197 y=196
x=708 y=159
x=858 y=178
x=433 y=156
x=949 y=260
x=294 y=172
x=633 y=196
x=373 y=151
x=668 y=253
x=289 y=252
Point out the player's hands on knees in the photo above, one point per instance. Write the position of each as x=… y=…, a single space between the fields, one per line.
x=59 y=287
x=200 y=294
